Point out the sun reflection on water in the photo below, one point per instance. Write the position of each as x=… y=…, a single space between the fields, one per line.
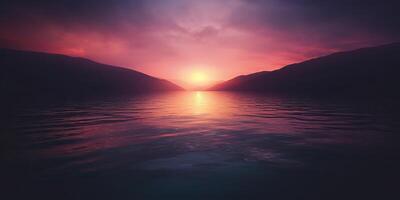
x=200 y=103
x=191 y=104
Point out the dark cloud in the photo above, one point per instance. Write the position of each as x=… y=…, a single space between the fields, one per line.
x=92 y=14
x=328 y=20
x=366 y=12
x=322 y=20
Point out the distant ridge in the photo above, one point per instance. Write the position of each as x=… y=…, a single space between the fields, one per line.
x=365 y=72
x=26 y=74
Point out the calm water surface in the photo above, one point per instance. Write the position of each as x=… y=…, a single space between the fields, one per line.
x=202 y=145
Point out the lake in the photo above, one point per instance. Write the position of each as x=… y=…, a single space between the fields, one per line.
x=202 y=145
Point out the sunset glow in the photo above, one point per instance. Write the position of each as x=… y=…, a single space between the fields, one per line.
x=166 y=38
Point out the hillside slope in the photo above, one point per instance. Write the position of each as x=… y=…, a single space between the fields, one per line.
x=367 y=71
x=33 y=74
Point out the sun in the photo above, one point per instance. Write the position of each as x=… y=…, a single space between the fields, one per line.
x=199 y=78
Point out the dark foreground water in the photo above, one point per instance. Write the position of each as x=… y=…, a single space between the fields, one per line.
x=202 y=145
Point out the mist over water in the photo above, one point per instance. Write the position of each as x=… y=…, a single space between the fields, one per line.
x=203 y=145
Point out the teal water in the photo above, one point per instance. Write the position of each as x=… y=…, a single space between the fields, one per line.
x=202 y=145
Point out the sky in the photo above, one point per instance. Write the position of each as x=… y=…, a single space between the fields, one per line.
x=197 y=43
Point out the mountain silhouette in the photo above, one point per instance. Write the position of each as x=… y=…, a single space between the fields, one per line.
x=27 y=74
x=367 y=72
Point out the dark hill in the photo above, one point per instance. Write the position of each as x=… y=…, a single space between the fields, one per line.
x=31 y=74
x=368 y=71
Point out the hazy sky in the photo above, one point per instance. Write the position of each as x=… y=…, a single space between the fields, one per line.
x=172 y=39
